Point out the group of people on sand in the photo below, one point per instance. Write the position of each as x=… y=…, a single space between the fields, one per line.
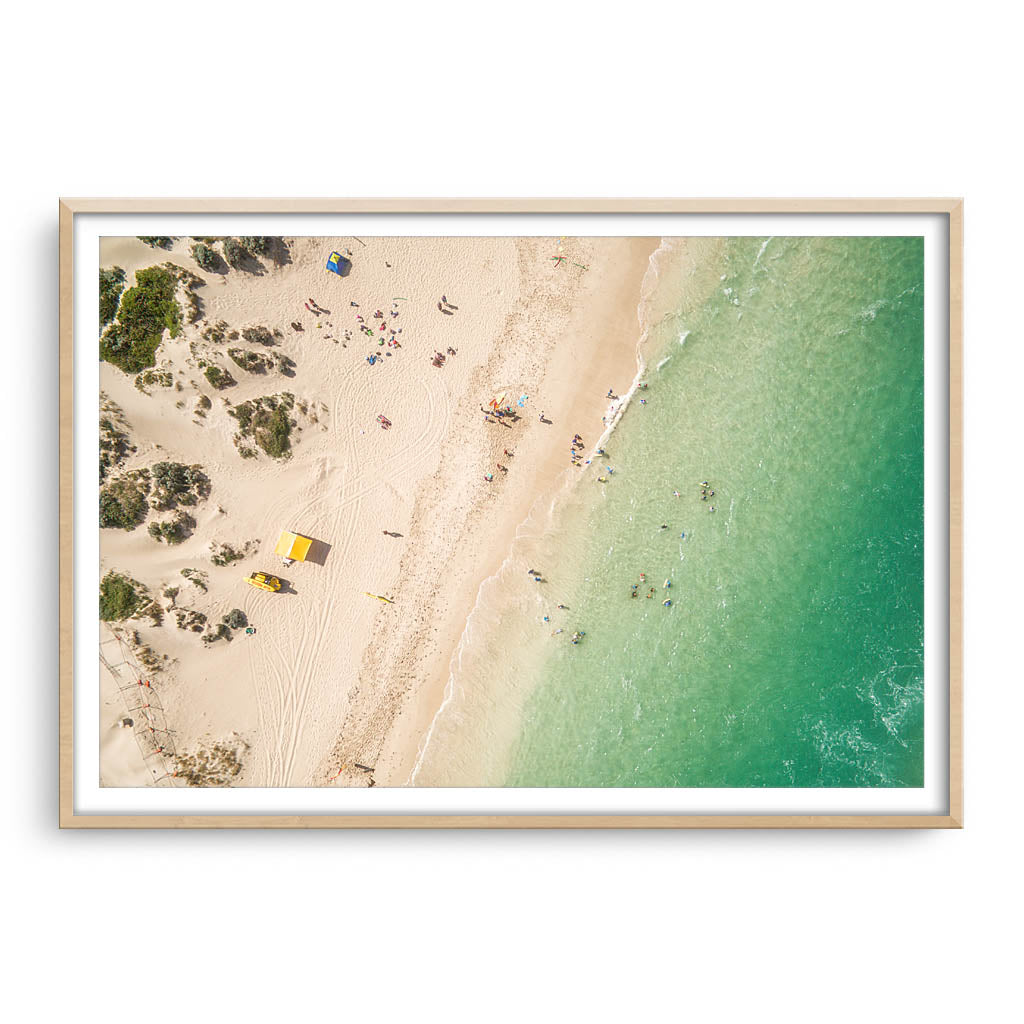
x=384 y=327
x=575 y=450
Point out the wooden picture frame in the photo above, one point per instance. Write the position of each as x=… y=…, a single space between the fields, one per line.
x=949 y=208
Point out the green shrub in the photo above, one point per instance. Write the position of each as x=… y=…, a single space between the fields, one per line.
x=204 y=255
x=220 y=633
x=177 y=484
x=215 y=333
x=266 y=421
x=173 y=530
x=120 y=597
x=251 y=362
x=258 y=245
x=225 y=554
x=196 y=577
x=114 y=447
x=123 y=503
x=258 y=336
x=153 y=378
x=111 y=286
x=157 y=241
x=212 y=766
x=234 y=251
x=273 y=437
x=218 y=378
x=146 y=310
x=235 y=619
x=191 y=620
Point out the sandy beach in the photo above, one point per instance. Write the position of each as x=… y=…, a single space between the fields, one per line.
x=334 y=682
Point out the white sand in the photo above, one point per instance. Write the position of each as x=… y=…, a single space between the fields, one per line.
x=333 y=677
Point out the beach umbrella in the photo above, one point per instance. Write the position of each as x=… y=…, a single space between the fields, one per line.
x=522 y=401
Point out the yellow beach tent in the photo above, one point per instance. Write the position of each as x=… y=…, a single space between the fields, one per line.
x=293 y=546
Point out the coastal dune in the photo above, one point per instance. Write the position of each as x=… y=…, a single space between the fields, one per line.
x=336 y=687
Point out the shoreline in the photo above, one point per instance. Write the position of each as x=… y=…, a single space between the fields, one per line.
x=677 y=279
x=600 y=335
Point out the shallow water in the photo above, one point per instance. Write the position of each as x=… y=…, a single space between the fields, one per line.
x=792 y=652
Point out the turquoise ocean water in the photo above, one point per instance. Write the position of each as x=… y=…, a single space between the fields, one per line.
x=792 y=652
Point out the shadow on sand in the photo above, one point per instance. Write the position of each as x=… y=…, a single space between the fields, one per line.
x=318 y=552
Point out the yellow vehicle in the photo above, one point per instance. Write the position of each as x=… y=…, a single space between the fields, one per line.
x=264 y=581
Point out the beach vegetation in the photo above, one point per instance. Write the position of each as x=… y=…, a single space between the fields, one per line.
x=212 y=766
x=153 y=378
x=267 y=422
x=258 y=245
x=235 y=619
x=197 y=578
x=218 y=378
x=121 y=597
x=206 y=257
x=187 y=618
x=176 y=484
x=260 y=335
x=218 y=632
x=251 y=362
x=173 y=530
x=215 y=332
x=225 y=554
x=111 y=286
x=156 y=241
x=123 y=501
x=234 y=252
x=115 y=446
x=145 y=312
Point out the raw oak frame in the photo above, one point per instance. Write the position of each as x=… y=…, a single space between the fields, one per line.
x=950 y=207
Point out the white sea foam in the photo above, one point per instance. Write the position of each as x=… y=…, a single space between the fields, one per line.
x=760 y=252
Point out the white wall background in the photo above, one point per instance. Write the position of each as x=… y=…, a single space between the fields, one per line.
x=513 y=99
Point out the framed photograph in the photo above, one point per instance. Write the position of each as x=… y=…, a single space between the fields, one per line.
x=510 y=513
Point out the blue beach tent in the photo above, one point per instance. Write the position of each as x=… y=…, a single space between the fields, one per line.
x=338 y=264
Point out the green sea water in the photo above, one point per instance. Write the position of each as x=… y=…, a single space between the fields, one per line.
x=792 y=651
